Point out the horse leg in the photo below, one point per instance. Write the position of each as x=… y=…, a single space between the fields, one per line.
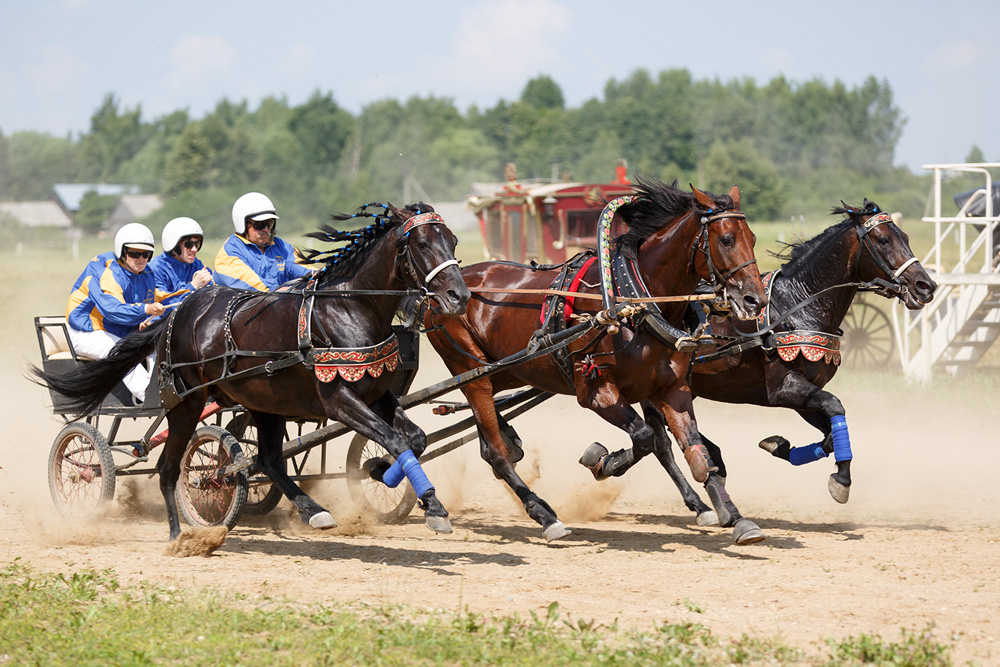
x=494 y=451
x=415 y=442
x=705 y=515
x=271 y=436
x=181 y=423
x=603 y=397
x=825 y=412
x=679 y=413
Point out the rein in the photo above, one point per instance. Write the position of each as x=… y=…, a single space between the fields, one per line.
x=585 y=295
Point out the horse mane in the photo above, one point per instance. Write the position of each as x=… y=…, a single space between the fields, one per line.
x=792 y=254
x=343 y=262
x=657 y=204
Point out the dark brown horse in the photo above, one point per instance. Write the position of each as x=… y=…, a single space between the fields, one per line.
x=322 y=350
x=675 y=240
x=798 y=353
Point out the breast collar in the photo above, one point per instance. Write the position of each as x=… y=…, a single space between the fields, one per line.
x=813 y=345
x=628 y=283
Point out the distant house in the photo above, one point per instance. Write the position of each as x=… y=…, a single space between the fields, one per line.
x=36 y=213
x=131 y=208
x=69 y=195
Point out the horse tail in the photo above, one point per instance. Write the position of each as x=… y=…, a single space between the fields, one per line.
x=90 y=382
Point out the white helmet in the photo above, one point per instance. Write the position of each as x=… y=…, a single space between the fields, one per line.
x=253 y=206
x=134 y=235
x=177 y=229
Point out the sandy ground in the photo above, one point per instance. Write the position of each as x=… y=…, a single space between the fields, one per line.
x=916 y=546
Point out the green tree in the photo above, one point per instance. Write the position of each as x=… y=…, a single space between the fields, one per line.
x=114 y=138
x=543 y=93
x=975 y=155
x=36 y=162
x=94 y=211
x=738 y=163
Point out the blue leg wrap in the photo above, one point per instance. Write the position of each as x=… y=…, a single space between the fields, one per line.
x=408 y=466
x=841 y=439
x=801 y=455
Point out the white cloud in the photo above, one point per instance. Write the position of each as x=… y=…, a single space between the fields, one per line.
x=958 y=55
x=199 y=59
x=509 y=42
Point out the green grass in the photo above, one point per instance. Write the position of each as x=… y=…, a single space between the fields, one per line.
x=89 y=618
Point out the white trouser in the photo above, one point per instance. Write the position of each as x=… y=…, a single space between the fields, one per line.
x=97 y=344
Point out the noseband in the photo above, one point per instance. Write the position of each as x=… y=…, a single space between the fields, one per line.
x=410 y=266
x=863 y=229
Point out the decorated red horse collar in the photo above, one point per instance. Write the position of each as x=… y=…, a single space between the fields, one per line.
x=351 y=363
x=813 y=345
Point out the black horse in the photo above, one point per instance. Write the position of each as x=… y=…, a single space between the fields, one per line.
x=323 y=348
x=793 y=351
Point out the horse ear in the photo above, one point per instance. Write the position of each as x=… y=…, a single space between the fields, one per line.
x=734 y=194
x=702 y=198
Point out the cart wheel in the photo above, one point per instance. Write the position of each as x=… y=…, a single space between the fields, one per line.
x=263 y=496
x=867 y=339
x=385 y=504
x=203 y=499
x=81 y=471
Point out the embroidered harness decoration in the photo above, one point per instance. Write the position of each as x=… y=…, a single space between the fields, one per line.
x=813 y=345
x=351 y=363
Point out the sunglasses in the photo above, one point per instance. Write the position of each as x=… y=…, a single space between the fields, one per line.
x=266 y=225
x=192 y=244
x=136 y=254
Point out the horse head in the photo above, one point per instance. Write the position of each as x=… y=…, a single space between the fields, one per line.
x=884 y=254
x=724 y=253
x=425 y=258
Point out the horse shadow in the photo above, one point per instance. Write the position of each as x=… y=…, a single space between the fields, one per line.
x=335 y=547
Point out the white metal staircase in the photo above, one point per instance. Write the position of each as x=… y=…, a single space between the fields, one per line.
x=959 y=326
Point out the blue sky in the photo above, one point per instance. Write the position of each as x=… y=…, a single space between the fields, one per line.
x=59 y=58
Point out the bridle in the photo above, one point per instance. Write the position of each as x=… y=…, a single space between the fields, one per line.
x=717 y=279
x=420 y=280
x=863 y=229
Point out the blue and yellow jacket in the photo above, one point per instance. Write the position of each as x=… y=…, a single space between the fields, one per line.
x=243 y=265
x=173 y=275
x=110 y=297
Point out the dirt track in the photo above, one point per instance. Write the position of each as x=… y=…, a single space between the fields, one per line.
x=916 y=545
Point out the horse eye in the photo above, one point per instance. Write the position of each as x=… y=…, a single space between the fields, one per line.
x=422 y=245
x=884 y=241
x=726 y=241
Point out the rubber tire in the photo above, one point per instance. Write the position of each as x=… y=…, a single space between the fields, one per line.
x=263 y=496
x=378 y=500
x=225 y=501
x=76 y=499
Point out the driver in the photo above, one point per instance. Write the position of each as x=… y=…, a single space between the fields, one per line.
x=113 y=298
x=178 y=270
x=253 y=257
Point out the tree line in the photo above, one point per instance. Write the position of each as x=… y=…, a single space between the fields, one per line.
x=793 y=148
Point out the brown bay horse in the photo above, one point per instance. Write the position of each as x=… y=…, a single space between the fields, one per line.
x=322 y=349
x=675 y=240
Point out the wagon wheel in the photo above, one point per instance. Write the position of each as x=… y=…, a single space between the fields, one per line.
x=263 y=496
x=81 y=471
x=203 y=498
x=385 y=504
x=868 y=339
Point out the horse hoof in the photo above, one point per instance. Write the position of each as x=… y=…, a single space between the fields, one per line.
x=322 y=521
x=707 y=518
x=772 y=443
x=439 y=524
x=838 y=491
x=376 y=468
x=555 y=531
x=592 y=458
x=747 y=532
